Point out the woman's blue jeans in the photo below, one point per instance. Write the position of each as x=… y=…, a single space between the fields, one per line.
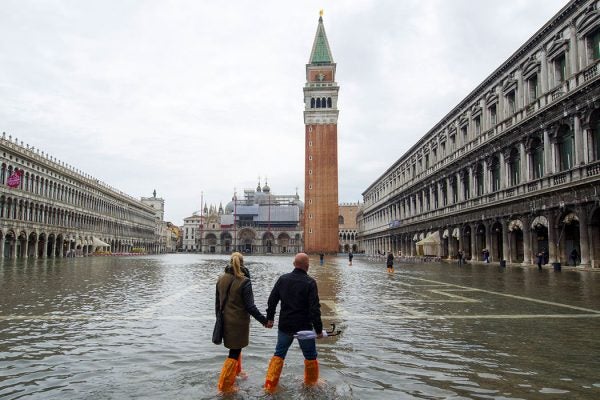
x=284 y=341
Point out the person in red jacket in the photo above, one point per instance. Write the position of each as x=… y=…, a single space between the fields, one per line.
x=300 y=311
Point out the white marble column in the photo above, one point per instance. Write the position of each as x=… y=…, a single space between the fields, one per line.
x=584 y=242
x=524 y=173
x=526 y=240
x=506 y=253
x=548 y=168
x=579 y=139
x=503 y=171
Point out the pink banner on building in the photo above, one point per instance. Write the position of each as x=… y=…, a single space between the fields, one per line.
x=14 y=180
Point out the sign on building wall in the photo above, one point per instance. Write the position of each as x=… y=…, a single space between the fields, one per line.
x=14 y=180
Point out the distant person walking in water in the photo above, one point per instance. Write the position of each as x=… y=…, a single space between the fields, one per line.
x=574 y=256
x=321 y=258
x=460 y=257
x=540 y=259
x=390 y=262
x=350 y=257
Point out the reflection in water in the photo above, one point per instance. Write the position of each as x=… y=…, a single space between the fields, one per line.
x=140 y=327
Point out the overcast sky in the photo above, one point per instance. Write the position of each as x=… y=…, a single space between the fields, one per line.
x=188 y=97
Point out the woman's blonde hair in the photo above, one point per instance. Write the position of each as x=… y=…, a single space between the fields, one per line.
x=237 y=262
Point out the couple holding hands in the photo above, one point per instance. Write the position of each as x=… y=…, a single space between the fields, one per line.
x=300 y=311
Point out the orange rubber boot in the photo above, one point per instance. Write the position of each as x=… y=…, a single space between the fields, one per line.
x=311 y=372
x=227 y=378
x=273 y=373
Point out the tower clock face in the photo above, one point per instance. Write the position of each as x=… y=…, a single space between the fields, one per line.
x=320 y=76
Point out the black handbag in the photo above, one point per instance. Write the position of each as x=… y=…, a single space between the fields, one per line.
x=218 y=330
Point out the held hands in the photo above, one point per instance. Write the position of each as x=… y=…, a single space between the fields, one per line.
x=269 y=324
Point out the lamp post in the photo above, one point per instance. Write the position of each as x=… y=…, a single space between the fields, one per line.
x=201 y=220
x=234 y=219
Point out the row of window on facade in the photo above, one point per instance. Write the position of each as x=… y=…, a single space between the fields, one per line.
x=565 y=149
x=558 y=74
x=23 y=210
x=564 y=161
x=347 y=235
x=320 y=102
x=55 y=191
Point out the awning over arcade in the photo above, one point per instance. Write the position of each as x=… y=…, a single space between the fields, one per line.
x=540 y=220
x=98 y=243
x=456 y=233
x=515 y=224
x=430 y=245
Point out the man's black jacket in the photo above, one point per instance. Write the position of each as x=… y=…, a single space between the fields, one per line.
x=300 y=308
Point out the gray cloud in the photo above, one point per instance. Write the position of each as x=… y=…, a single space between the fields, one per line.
x=189 y=97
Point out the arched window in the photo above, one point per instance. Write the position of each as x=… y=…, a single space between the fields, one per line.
x=318 y=102
x=329 y=102
x=537 y=159
x=323 y=102
x=341 y=220
x=454 y=186
x=466 y=186
x=479 y=179
x=312 y=103
x=595 y=135
x=565 y=148
x=495 y=174
x=514 y=167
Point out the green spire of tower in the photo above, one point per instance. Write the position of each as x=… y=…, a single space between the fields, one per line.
x=321 y=54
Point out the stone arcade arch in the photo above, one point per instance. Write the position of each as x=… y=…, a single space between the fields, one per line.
x=246 y=240
x=226 y=242
x=10 y=244
x=496 y=242
x=268 y=241
x=568 y=238
x=466 y=242
x=539 y=232
x=211 y=243
x=283 y=242
x=516 y=252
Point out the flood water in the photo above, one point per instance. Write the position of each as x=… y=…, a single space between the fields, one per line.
x=140 y=327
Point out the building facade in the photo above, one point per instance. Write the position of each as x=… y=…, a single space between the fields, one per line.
x=258 y=223
x=165 y=234
x=348 y=232
x=49 y=209
x=320 y=163
x=514 y=168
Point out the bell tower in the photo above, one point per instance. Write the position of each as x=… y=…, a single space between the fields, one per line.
x=320 y=154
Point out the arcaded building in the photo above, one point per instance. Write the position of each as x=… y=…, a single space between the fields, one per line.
x=348 y=238
x=321 y=163
x=50 y=209
x=514 y=168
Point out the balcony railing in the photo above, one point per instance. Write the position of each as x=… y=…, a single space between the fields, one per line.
x=590 y=73
x=488 y=199
x=593 y=169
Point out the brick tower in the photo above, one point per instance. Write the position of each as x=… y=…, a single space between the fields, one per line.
x=320 y=154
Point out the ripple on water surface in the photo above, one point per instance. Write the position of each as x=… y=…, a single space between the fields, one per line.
x=112 y=328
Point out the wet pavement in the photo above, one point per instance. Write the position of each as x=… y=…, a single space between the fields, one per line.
x=140 y=327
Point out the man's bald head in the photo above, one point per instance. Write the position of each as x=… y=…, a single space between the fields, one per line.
x=301 y=261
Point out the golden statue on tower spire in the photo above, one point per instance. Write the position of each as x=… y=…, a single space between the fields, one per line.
x=321 y=12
